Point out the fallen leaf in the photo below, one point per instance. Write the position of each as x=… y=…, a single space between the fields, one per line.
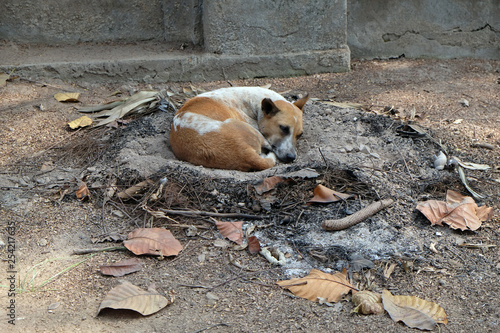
x=413 y=311
x=273 y=255
x=319 y=284
x=83 y=191
x=459 y=212
x=323 y=194
x=80 y=122
x=358 y=262
x=134 y=190
x=269 y=183
x=67 y=97
x=154 y=241
x=109 y=237
x=122 y=268
x=129 y=297
x=389 y=269
x=3 y=79
x=253 y=245
x=138 y=101
x=231 y=230
x=54 y=306
x=368 y=302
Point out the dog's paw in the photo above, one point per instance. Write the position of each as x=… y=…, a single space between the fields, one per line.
x=270 y=155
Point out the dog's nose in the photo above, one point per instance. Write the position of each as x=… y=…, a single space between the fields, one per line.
x=289 y=157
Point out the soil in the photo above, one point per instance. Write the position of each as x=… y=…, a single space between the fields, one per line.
x=366 y=149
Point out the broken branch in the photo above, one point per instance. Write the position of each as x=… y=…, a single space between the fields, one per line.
x=349 y=221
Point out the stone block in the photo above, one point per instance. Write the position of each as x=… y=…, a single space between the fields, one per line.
x=268 y=27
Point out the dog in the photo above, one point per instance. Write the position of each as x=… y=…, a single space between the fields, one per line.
x=238 y=128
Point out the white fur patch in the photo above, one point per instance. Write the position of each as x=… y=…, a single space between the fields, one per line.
x=197 y=122
x=247 y=100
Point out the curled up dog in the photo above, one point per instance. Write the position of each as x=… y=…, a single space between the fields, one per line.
x=239 y=128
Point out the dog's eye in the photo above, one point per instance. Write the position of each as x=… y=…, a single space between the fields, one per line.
x=285 y=129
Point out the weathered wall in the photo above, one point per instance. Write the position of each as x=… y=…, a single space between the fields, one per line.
x=267 y=27
x=69 y=21
x=424 y=28
x=237 y=38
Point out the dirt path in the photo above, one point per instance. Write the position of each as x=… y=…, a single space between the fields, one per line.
x=225 y=290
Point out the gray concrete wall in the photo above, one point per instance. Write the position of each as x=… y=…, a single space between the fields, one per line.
x=424 y=28
x=236 y=38
x=71 y=21
x=267 y=27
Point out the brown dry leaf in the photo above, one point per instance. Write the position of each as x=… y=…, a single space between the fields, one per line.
x=122 y=268
x=323 y=194
x=134 y=190
x=154 y=241
x=67 y=97
x=484 y=213
x=319 y=284
x=231 y=230
x=413 y=311
x=253 y=245
x=129 y=297
x=80 y=122
x=368 y=302
x=459 y=212
x=269 y=183
x=83 y=191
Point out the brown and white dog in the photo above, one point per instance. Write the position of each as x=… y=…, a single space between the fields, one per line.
x=240 y=128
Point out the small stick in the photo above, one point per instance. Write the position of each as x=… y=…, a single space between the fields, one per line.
x=349 y=221
x=202 y=213
x=87 y=251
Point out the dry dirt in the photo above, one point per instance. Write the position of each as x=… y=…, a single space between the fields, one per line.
x=361 y=152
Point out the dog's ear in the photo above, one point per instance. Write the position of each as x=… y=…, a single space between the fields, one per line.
x=301 y=102
x=269 y=108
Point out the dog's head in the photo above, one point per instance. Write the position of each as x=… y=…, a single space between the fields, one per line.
x=281 y=125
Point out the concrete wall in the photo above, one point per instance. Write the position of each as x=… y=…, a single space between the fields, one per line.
x=237 y=38
x=69 y=21
x=424 y=28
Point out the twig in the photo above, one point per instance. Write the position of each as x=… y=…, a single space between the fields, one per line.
x=87 y=251
x=349 y=221
x=203 y=213
x=210 y=327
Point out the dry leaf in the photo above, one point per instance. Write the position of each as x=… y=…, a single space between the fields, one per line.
x=154 y=241
x=134 y=190
x=269 y=183
x=459 y=212
x=231 y=230
x=319 y=284
x=357 y=263
x=80 y=122
x=253 y=245
x=389 y=269
x=83 y=191
x=3 y=79
x=132 y=104
x=413 y=311
x=323 y=194
x=67 y=97
x=122 y=268
x=129 y=297
x=367 y=302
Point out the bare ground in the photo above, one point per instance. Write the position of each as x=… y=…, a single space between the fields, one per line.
x=41 y=159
